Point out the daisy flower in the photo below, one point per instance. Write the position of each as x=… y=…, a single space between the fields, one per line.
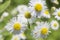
x=46 y=13
x=41 y=31
x=53 y=9
x=57 y=14
x=26 y=13
x=54 y=25
x=16 y=26
x=21 y=8
x=37 y=6
x=55 y=1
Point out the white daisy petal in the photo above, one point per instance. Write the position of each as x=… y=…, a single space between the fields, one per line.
x=54 y=25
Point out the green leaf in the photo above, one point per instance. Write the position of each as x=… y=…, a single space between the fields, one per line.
x=20 y=2
x=4 y=5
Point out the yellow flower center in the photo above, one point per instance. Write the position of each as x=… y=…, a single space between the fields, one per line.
x=16 y=38
x=44 y=31
x=17 y=26
x=38 y=7
x=27 y=15
x=55 y=24
x=46 y=12
x=59 y=14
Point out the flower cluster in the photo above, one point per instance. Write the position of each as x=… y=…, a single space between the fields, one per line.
x=37 y=13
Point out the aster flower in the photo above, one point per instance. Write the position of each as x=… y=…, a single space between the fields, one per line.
x=54 y=25
x=57 y=14
x=46 y=13
x=37 y=6
x=53 y=9
x=41 y=31
x=26 y=13
x=16 y=26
